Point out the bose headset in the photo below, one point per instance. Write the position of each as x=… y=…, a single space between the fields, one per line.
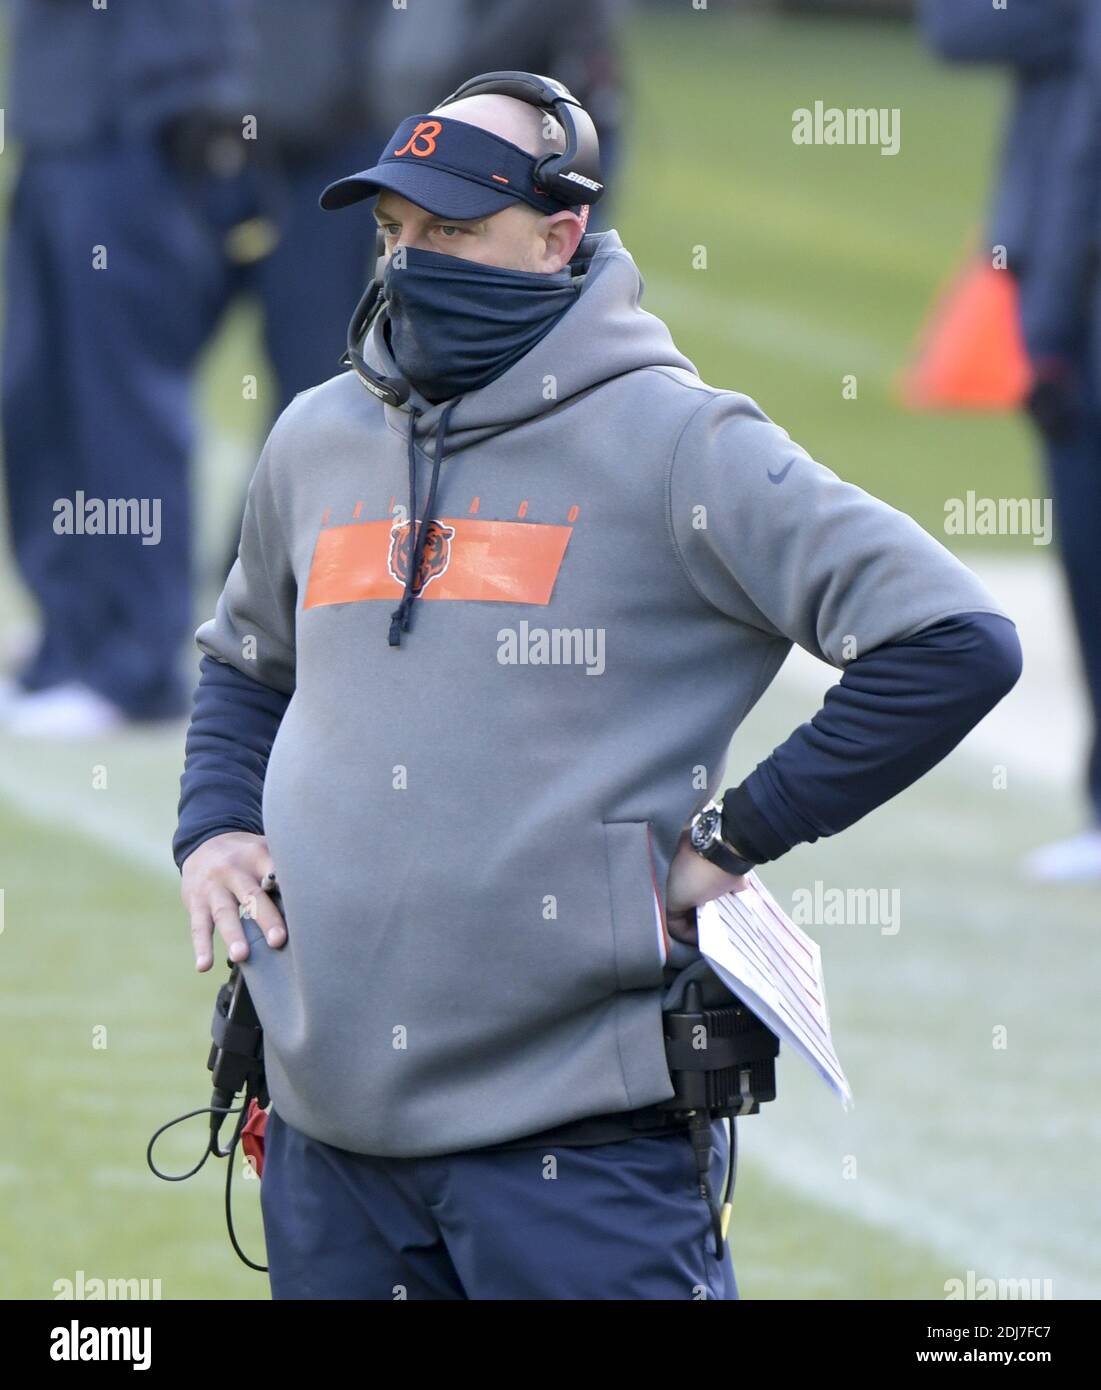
x=572 y=176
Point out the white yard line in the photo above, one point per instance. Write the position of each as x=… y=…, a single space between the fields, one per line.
x=131 y=817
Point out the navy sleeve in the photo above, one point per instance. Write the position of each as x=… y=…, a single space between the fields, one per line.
x=896 y=712
x=232 y=729
x=1029 y=34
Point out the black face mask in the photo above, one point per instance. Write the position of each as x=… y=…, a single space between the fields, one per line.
x=455 y=325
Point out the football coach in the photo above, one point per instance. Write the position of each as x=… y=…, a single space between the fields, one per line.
x=493 y=624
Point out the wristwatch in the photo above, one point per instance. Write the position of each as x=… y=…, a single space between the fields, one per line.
x=705 y=834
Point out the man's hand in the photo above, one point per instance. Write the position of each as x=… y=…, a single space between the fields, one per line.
x=694 y=880
x=225 y=872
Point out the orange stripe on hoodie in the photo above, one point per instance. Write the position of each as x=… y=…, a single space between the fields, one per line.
x=492 y=561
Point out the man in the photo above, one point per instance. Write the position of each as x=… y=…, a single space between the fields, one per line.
x=484 y=763
x=1045 y=215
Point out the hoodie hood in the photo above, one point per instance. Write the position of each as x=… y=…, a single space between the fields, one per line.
x=602 y=336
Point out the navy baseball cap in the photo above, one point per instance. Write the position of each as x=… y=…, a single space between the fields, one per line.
x=449 y=168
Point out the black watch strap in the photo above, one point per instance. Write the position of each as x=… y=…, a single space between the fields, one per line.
x=726 y=858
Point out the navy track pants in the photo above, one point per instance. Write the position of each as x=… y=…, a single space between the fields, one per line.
x=608 y=1221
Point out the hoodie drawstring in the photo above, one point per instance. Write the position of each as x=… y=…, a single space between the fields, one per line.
x=399 y=619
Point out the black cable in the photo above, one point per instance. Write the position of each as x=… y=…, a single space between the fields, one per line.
x=262 y=1269
x=241 y=1112
x=699 y=1129
x=206 y=1110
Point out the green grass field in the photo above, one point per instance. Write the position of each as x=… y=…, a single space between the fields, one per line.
x=821 y=262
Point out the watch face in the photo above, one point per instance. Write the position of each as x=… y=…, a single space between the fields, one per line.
x=706 y=829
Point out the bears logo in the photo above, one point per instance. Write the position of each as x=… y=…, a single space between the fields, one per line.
x=434 y=561
x=423 y=140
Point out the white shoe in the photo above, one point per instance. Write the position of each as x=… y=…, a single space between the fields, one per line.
x=1077 y=860
x=62 y=711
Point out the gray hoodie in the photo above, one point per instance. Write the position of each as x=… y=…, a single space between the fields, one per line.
x=472 y=831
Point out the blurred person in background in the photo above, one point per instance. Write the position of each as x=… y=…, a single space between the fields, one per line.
x=1046 y=214
x=141 y=209
x=171 y=160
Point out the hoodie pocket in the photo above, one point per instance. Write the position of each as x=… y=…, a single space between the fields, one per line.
x=638 y=930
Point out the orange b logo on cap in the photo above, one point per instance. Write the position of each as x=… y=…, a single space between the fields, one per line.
x=426 y=132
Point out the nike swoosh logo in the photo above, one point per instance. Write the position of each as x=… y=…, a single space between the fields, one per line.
x=779 y=477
